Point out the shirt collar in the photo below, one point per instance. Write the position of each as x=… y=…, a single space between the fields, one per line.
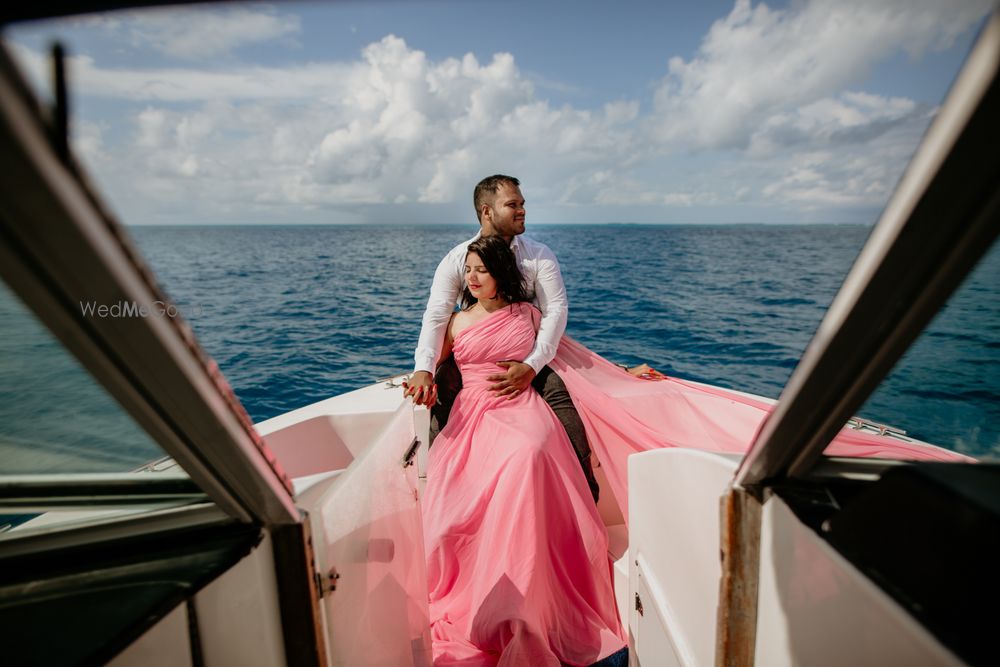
x=515 y=243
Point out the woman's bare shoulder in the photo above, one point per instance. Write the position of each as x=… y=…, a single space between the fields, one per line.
x=460 y=320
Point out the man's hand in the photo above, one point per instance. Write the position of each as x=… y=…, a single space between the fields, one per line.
x=421 y=388
x=516 y=380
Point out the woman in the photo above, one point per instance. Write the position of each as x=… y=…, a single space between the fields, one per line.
x=518 y=567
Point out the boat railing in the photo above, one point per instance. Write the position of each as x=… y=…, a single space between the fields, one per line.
x=862 y=424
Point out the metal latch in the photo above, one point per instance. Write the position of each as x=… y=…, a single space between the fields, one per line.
x=638 y=604
x=394 y=381
x=326 y=584
x=411 y=451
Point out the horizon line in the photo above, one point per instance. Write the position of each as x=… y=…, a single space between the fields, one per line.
x=472 y=225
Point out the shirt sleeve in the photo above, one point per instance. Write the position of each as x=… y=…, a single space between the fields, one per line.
x=445 y=291
x=550 y=293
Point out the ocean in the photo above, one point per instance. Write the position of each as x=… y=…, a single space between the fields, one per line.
x=296 y=314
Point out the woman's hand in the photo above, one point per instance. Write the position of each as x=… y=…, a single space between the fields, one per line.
x=645 y=372
x=421 y=388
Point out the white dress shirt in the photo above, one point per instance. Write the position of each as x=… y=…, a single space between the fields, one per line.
x=544 y=284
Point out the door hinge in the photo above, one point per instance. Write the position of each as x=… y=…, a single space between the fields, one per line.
x=638 y=604
x=326 y=584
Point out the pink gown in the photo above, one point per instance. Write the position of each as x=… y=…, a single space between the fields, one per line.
x=517 y=554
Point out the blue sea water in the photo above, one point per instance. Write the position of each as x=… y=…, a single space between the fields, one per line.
x=295 y=314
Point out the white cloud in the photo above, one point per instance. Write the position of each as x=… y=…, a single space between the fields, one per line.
x=177 y=84
x=758 y=64
x=399 y=128
x=191 y=85
x=151 y=125
x=839 y=176
x=765 y=114
x=199 y=32
x=88 y=141
x=849 y=118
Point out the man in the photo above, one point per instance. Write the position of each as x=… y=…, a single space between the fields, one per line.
x=500 y=209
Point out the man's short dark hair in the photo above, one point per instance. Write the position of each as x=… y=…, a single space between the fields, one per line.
x=488 y=187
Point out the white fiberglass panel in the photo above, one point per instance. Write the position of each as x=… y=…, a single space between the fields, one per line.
x=238 y=618
x=674 y=552
x=814 y=608
x=367 y=527
x=166 y=644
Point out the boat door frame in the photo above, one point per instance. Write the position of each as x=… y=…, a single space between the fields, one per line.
x=62 y=248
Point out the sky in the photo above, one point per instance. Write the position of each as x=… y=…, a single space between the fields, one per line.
x=609 y=112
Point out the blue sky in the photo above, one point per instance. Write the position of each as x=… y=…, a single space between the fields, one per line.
x=389 y=112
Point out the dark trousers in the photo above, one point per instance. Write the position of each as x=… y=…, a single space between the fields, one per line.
x=551 y=388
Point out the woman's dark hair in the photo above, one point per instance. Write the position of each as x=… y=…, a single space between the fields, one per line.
x=499 y=260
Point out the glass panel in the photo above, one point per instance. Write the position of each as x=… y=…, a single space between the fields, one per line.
x=945 y=388
x=295 y=314
x=54 y=417
x=18 y=523
x=56 y=420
